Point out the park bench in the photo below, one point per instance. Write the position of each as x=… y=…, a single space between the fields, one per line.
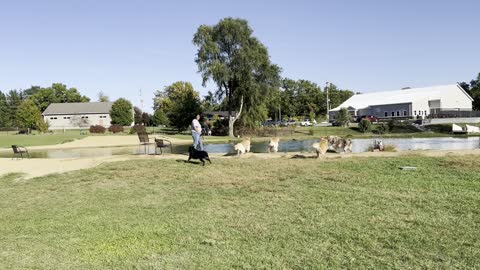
x=19 y=151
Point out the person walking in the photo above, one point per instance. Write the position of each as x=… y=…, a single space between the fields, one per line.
x=197 y=133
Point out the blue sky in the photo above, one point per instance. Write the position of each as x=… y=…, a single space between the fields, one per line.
x=120 y=47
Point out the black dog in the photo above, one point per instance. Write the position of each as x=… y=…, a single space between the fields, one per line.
x=195 y=154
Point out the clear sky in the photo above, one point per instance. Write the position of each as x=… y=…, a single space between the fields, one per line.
x=120 y=47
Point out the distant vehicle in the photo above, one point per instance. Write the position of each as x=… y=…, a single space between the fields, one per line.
x=371 y=118
x=291 y=122
x=306 y=123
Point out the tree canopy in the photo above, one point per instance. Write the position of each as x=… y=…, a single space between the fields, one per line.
x=183 y=104
x=121 y=112
x=473 y=89
x=28 y=115
x=239 y=65
x=57 y=93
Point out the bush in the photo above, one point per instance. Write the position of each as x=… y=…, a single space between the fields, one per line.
x=115 y=128
x=220 y=128
x=382 y=128
x=391 y=124
x=97 y=129
x=365 y=126
x=138 y=129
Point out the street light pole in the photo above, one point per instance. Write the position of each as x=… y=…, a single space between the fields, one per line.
x=328 y=101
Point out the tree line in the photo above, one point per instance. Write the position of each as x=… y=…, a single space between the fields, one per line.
x=23 y=108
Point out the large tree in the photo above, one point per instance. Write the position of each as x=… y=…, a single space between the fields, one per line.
x=28 y=115
x=57 y=93
x=184 y=104
x=473 y=89
x=5 y=118
x=337 y=96
x=122 y=112
x=137 y=115
x=239 y=65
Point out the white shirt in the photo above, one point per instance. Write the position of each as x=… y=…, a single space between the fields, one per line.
x=196 y=127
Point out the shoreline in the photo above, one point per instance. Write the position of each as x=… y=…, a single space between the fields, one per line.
x=36 y=167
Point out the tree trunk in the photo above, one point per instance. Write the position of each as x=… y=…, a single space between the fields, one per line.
x=231 y=120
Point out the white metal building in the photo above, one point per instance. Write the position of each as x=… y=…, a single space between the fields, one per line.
x=77 y=115
x=408 y=103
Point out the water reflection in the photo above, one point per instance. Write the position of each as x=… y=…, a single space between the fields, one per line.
x=359 y=145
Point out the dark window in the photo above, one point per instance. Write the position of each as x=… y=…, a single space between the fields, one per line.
x=414 y=112
x=386 y=114
x=393 y=113
x=404 y=113
x=398 y=113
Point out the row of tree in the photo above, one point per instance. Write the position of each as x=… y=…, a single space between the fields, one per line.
x=22 y=108
x=473 y=89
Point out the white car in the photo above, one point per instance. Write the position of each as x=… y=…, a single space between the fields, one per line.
x=306 y=123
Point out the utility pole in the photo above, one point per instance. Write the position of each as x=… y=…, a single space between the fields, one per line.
x=328 y=101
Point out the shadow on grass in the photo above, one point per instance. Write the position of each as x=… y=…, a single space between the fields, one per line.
x=303 y=157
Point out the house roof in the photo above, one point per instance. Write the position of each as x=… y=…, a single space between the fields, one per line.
x=78 y=108
x=360 y=101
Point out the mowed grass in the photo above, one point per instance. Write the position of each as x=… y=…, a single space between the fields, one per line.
x=246 y=214
x=37 y=139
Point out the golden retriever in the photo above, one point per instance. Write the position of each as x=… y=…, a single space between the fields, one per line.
x=246 y=144
x=273 y=144
x=240 y=148
x=321 y=147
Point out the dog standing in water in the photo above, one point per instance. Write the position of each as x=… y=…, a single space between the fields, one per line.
x=273 y=144
x=321 y=147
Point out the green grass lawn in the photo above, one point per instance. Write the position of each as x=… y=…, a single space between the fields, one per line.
x=246 y=214
x=37 y=139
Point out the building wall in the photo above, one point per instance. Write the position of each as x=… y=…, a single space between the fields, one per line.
x=69 y=121
x=456 y=100
x=398 y=110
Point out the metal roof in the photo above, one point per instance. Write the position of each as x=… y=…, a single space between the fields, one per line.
x=361 y=101
x=78 y=108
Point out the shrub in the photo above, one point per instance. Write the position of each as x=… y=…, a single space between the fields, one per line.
x=343 y=117
x=97 y=129
x=391 y=124
x=115 y=128
x=386 y=148
x=365 y=125
x=220 y=128
x=382 y=128
x=138 y=129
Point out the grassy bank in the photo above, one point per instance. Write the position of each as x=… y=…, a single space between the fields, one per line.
x=246 y=213
x=37 y=139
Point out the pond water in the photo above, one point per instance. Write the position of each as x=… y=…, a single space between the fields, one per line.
x=359 y=145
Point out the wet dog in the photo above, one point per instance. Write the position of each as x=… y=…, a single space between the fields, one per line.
x=273 y=144
x=321 y=147
x=335 y=142
x=246 y=144
x=240 y=148
x=196 y=154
